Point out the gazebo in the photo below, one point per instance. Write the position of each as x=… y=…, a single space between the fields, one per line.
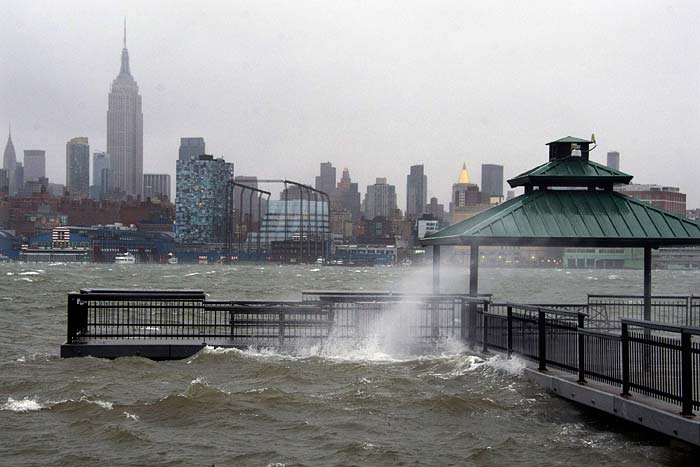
x=568 y=202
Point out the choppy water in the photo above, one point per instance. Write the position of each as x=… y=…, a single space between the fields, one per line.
x=319 y=407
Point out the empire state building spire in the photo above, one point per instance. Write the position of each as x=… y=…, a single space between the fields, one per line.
x=124 y=70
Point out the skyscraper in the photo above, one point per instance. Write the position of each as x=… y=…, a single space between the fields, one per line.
x=191 y=147
x=416 y=191
x=347 y=196
x=492 y=180
x=9 y=163
x=201 y=199
x=4 y=182
x=156 y=186
x=380 y=199
x=78 y=167
x=34 y=164
x=326 y=181
x=614 y=160
x=125 y=131
x=100 y=174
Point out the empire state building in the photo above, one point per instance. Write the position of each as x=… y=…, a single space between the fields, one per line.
x=125 y=131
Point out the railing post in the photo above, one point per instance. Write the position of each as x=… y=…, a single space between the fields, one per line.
x=581 y=351
x=485 y=345
x=625 y=360
x=281 y=327
x=434 y=305
x=463 y=321
x=510 y=331
x=77 y=319
x=686 y=374
x=542 y=337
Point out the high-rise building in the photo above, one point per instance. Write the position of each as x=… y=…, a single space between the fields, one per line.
x=201 y=199
x=416 y=192
x=18 y=177
x=492 y=180
x=4 y=182
x=191 y=147
x=78 y=167
x=156 y=186
x=125 y=131
x=326 y=181
x=100 y=174
x=34 y=164
x=380 y=199
x=466 y=198
x=614 y=160
x=436 y=209
x=9 y=162
x=347 y=196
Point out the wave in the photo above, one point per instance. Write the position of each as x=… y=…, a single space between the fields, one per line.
x=22 y=405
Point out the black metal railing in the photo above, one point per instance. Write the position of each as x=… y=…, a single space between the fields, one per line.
x=606 y=311
x=658 y=360
x=654 y=359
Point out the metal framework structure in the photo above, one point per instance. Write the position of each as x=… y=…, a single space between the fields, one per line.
x=309 y=242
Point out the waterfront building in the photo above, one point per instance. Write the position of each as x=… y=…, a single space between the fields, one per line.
x=426 y=227
x=78 y=167
x=380 y=199
x=326 y=181
x=613 y=160
x=492 y=180
x=144 y=215
x=9 y=163
x=34 y=164
x=191 y=147
x=125 y=131
x=669 y=198
x=31 y=187
x=156 y=186
x=299 y=219
x=416 y=191
x=201 y=199
x=366 y=254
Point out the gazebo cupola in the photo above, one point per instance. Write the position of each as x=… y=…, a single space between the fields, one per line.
x=569 y=166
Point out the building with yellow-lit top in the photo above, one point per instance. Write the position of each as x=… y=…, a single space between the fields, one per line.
x=467 y=200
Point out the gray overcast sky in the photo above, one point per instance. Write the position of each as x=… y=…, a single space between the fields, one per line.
x=277 y=87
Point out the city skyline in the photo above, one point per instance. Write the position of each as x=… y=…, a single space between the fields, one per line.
x=172 y=110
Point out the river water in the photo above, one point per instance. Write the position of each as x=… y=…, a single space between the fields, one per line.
x=355 y=407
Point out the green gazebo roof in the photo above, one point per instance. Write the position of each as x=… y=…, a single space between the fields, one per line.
x=571 y=139
x=571 y=171
x=592 y=218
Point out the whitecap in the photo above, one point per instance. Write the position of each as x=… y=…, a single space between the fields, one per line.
x=10 y=273
x=23 y=405
x=29 y=273
x=131 y=416
x=192 y=274
x=314 y=270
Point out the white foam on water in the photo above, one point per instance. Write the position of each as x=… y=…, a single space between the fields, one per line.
x=26 y=279
x=10 y=273
x=131 y=416
x=22 y=405
x=513 y=366
x=104 y=404
x=29 y=273
x=314 y=270
x=192 y=274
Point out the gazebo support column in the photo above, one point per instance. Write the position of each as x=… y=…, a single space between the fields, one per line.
x=473 y=291
x=436 y=269
x=647 y=283
x=474 y=271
